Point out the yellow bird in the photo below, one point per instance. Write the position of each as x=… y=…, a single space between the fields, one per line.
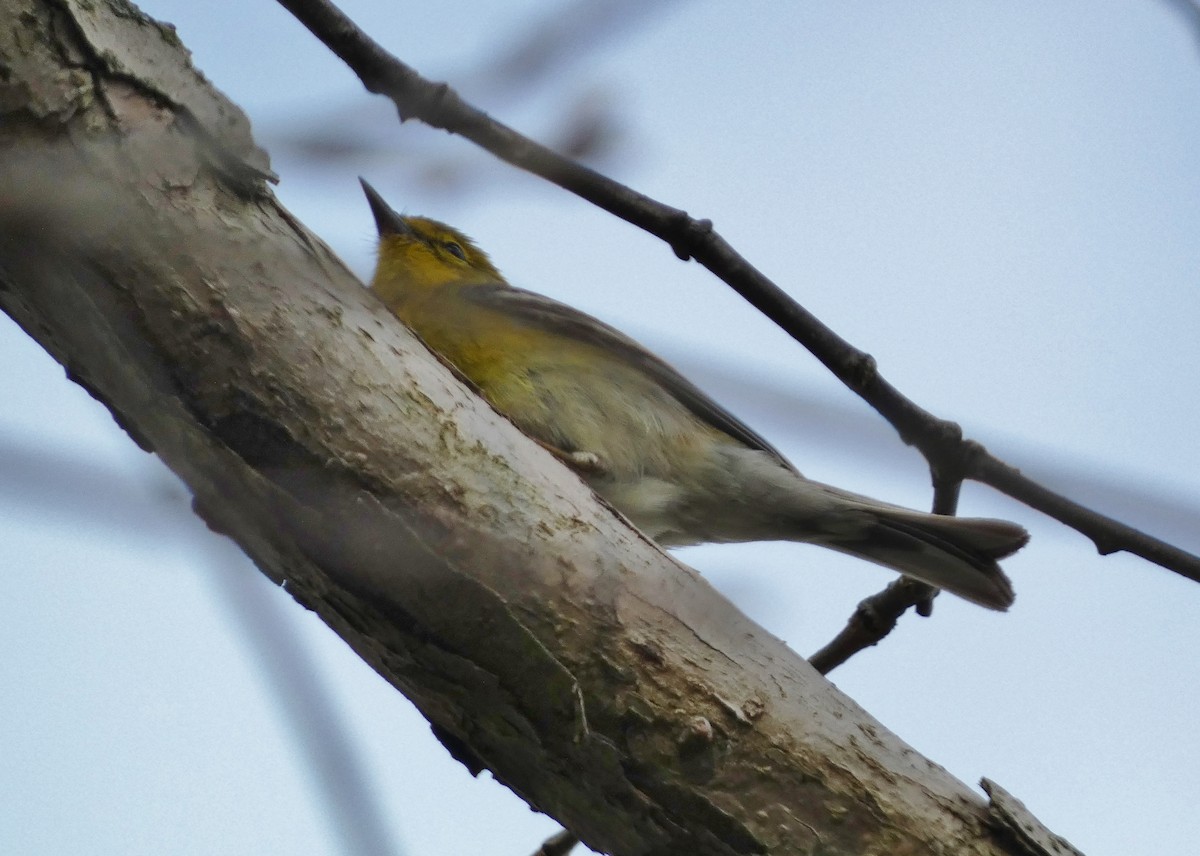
x=682 y=468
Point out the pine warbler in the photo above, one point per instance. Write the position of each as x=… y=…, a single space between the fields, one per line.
x=677 y=464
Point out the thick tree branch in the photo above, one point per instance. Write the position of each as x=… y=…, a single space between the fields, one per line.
x=940 y=441
x=546 y=640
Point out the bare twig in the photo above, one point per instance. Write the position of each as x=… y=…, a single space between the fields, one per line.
x=940 y=441
x=873 y=619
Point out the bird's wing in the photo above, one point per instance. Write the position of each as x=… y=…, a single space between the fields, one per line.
x=540 y=311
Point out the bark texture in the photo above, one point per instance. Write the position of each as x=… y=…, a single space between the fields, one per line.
x=546 y=640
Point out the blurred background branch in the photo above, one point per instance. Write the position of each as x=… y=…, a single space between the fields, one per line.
x=1189 y=12
x=523 y=72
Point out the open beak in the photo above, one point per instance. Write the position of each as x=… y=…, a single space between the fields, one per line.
x=387 y=221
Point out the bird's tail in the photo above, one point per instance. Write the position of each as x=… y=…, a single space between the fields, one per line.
x=774 y=502
x=958 y=554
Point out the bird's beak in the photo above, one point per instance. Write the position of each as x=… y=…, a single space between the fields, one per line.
x=387 y=221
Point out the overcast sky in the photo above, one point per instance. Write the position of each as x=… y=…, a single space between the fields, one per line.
x=999 y=201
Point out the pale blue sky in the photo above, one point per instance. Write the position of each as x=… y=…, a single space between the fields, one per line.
x=1000 y=201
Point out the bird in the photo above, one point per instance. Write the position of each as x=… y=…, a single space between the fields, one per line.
x=679 y=466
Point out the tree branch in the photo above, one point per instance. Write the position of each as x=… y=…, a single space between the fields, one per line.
x=546 y=640
x=940 y=441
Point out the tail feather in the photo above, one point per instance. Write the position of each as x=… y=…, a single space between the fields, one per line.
x=955 y=553
x=777 y=503
x=995 y=539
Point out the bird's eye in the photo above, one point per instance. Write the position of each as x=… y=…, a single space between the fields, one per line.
x=455 y=250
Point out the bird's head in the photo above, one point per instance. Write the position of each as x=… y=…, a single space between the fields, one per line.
x=418 y=254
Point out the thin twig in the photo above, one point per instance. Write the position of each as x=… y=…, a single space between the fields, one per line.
x=873 y=619
x=940 y=441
